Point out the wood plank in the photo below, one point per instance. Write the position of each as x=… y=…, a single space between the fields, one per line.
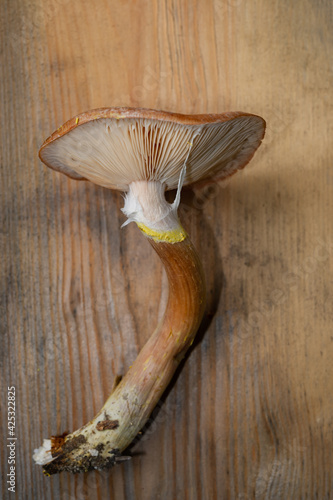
x=249 y=415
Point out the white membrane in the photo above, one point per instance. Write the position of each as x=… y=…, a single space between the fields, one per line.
x=42 y=455
x=145 y=203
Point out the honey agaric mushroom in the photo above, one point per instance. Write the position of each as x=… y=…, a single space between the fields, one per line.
x=145 y=152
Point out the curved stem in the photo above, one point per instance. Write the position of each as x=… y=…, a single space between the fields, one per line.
x=99 y=443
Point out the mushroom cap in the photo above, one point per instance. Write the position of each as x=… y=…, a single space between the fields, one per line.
x=113 y=147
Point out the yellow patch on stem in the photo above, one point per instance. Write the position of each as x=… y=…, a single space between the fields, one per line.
x=172 y=236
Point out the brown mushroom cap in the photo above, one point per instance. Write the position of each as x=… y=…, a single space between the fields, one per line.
x=113 y=147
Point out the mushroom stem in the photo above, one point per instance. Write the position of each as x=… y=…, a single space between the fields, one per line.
x=99 y=443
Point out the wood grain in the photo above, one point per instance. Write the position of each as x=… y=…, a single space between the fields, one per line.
x=249 y=415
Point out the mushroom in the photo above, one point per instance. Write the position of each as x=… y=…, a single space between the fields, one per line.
x=145 y=152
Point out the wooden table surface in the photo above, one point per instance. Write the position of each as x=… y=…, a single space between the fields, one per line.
x=250 y=412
